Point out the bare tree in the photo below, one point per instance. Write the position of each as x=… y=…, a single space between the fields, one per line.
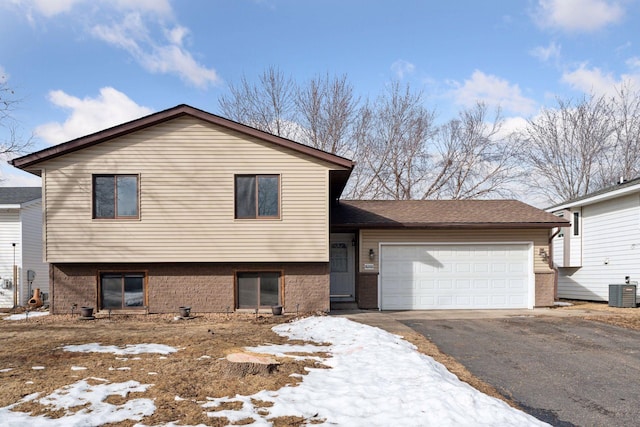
x=623 y=153
x=473 y=159
x=326 y=109
x=393 y=140
x=564 y=146
x=267 y=105
x=11 y=142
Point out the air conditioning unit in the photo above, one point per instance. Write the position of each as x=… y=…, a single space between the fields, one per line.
x=622 y=296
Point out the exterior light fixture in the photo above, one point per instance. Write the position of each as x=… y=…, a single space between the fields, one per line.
x=372 y=254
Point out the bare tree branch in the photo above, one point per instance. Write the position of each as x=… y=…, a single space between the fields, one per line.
x=11 y=142
x=267 y=105
x=564 y=147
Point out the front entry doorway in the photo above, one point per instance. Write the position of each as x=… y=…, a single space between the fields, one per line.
x=342 y=253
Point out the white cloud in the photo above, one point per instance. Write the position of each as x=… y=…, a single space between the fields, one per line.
x=50 y=8
x=168 y=57
x=633 y=63
x=594 y=80
x=544 y=54
x=402 y=68
x=89 y=115
x=4 y=76
x=493 y=91
x=578 y=15
x=140 y=28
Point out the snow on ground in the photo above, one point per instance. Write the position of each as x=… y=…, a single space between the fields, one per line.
x=84 y=392
x=128 y=349
x=376 y=379
x=25 y=315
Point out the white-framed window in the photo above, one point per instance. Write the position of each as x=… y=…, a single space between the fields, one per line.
x=575 y=225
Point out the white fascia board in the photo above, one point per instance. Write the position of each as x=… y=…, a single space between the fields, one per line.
x=12 y=206
x=596 y=199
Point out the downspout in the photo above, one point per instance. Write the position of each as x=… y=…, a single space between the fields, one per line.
x=551 y=264
x=15 y=278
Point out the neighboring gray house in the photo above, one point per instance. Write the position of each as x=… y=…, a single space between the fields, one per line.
x=602 y=247
x=21 y=244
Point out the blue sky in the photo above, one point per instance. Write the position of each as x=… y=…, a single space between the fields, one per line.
x=83 y=65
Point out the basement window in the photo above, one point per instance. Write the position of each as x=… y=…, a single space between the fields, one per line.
x=258 y=289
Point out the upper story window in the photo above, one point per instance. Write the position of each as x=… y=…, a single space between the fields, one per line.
x=576 y=223
x=257 y=196
x=115 y=196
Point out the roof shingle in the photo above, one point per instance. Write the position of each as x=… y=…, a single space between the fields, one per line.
x=17 y=195
x=441 y=214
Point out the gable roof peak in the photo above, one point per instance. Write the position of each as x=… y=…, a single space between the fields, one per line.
x=153 y=119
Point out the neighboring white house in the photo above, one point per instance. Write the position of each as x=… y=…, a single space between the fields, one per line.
x=602 y=247
x=21 y=245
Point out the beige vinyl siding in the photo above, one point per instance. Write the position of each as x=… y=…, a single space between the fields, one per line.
x=370 y=239
x=186 y=169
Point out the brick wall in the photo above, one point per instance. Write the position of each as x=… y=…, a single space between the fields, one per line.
x=545 y=289
x=206 y=288
x=367 y=290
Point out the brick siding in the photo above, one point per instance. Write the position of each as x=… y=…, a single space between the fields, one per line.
x=367 y=290
x=545 y=289
x=206 y=288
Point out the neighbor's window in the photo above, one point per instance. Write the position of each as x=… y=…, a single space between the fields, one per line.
x=115 y=196
x=122 y=290
x=258 y=289
x=257 y=196
x=561 y=233
x=576 y=223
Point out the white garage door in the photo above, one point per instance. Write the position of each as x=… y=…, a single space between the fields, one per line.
x=423 y=277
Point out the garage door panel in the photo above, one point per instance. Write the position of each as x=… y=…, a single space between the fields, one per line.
x=454 y=276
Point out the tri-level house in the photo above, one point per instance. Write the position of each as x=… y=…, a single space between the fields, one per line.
x=185 y=208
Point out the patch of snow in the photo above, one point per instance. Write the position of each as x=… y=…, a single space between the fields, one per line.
x=203 y=357
x=377 y=378
x=6 y=370
x=127 y=349
x=152 y=373
x=23 y=316
x=95 y=411
x=37 y=368
x=562 y=304
x=78 y=368
x=119 y=369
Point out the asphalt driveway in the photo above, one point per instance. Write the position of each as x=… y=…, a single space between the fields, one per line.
x=562 y=370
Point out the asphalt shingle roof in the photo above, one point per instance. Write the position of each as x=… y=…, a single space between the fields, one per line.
x=614 y=187
x=17 y=195
x=441 y=214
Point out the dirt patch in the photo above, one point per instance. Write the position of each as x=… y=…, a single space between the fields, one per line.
x=601 y=312
x=182 y=381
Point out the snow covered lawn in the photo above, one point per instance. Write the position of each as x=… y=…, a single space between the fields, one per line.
x=373 y=379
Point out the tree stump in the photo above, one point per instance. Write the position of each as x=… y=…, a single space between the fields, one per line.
x=243 y=364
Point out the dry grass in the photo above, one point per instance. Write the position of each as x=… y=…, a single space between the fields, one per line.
x=187 y=374
x=601 y=312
